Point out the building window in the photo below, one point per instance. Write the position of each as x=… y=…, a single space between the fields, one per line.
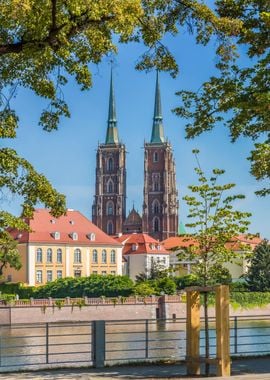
x=104 y=257
x=109 y=228
x=113 y=272
x=156 y=207
x=77 y=273
x=134 y=247
x=59 y=256
x=49 y=255
x=94 y=272
x=155 y=182
x=110 y=186
x=91 y=236
x=49 y=275
x=155 y=157
x=39 y=255
x=156 y=225
x=110 y=208
x=56 y=235
x=110 y=164
x=113 y=256
x=59 y=274
x=94 y=256
x=77 y=256
x=74 y=236
x=39 y=276
x=103 y=273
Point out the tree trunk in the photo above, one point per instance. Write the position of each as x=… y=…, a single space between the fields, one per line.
x=206 y=327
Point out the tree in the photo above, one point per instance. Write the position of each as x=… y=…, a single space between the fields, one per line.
x=9 y=254
x=241 y=87
x=156 y=271
x=215 y=223
x=257 y=277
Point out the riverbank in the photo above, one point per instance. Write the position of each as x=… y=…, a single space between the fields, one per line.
x=90 y=309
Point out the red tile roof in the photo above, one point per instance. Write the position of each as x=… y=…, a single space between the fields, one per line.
x=179 y=241
x=145 y=244
x=44 y=225
x=236 y=243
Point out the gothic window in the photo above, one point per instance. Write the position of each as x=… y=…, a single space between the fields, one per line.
x=110 y=186
x=113 y=256
x=49 y=255
x=104 y=256
x=155 y=182
x=110 y=208
x=155 y=157
x=156 y=226
x=59 y=255
x=109 y=228
x=110 y=164
x=77 y=256
x=95 y=256
x=155 y=207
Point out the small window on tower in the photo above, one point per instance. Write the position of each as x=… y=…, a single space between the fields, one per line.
x=155 y=157
x=110 y=164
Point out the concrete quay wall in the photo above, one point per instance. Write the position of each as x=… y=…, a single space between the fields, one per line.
x=160 y=308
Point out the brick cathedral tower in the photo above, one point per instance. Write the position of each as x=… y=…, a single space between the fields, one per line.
x=109 y=206
x=160 y=206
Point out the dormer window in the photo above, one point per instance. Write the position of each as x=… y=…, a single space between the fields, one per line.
x=152 y=246
x=158 y=247
x=56 y=235
x=134 y=247
x=74 y=236
x=91 y=236
x=52 y=221
x=71 y=222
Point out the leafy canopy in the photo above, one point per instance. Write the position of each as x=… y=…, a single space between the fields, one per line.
x=239 y=95
x=257 y=277
x=214 y=222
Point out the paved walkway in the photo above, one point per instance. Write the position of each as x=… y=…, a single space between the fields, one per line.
x=242 y=369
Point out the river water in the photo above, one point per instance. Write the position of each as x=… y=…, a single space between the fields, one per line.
x=125 y=341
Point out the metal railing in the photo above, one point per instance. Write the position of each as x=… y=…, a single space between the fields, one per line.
x=97 y=343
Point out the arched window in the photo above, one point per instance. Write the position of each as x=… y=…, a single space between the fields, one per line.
x=94 y=256
x=156 y=227
x=39 y=255
x=155 y=207
x=110 y=164
x=49 y=255
x=110 y=186
x=110 y=208
x=59 y=255
x=156 y=182
x=77 y=256
x=104 y=257
x=109 y=228
x=113 y=257
x=155 y=156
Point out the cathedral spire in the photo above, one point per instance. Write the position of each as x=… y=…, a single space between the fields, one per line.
x=157 y=129
x=112 y=133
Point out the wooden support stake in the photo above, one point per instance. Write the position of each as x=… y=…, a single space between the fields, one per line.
x=223 y=330
x=193 y=332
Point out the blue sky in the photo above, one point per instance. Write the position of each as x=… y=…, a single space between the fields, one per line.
x=67 y=157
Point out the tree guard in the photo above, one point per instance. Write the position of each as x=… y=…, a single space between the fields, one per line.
x=193 y=358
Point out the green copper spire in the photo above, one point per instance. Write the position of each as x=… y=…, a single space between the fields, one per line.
x=112 y=133
x=157 y=130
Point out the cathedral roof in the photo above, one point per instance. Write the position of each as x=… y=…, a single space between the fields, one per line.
x=112 y=132
x=157 y=129
x=133 y=218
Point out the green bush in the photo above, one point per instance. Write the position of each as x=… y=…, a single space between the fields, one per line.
x=165 y=285
x=19 y=288
x=186 y=281
x=92 y=286
x=144 y=289
x=249 y=300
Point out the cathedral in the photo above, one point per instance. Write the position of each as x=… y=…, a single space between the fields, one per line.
x=160 y=198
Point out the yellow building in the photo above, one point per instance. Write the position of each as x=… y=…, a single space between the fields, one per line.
x=61 y=247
